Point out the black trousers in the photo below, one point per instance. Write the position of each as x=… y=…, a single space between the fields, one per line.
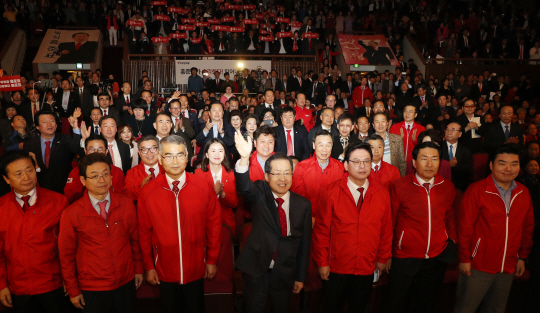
x=120 y=300
x=257 y=290
x=187 y=298
x=50 y=302
x=428 y=275
x=341 y=287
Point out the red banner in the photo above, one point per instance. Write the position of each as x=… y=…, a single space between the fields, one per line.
x=283 y=20
x=160 y=39
x=161 y=17
x=233 y=7
x=135 y=23
x=202 y=24
x=227 y=19
x=236 y=29
x=266 y=38
x=178 y=35
x=264 y=32
x=310 y=35
x=259 y=16
x=284 y=34
x=196 y=40
x=221 y=28
x=159 y=3
x=189 y=20
x=175 y=10
x=213 y=20
x=296 y=24
x=219 y=1
x=10 y=83
x=248 y=7
x=272 y=15
x=186 y=27
x=250 y=22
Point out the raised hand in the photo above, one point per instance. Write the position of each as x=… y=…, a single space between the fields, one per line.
x=85 y=132
x=77 y=113
x=209 y=126
x=242 y=146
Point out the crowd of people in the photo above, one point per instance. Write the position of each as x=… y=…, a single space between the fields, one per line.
x=342 y=182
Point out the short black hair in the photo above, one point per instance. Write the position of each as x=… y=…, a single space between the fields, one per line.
x=264 y=130
x=93 y=137
x=148 y=138
x=288 y=109
x=507 y=148
x=357 y=146
x=274 y=157
x=41 y=113
x=434 y=135
x=107 y=117
x=321 y=132
x=139 y=104
x=423 y=145
x=79 y=33
x=345 y=116
x=91 y=159
x=373 y=136
x=104 y=94
x=13 y=156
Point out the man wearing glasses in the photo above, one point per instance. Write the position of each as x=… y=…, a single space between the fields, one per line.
x=470 y=126
x=352 y=236
x=98 y=243
x=147 y=170
x=275 y=258
x=424 y=232
x=457 y=155
x=74 y=189
x=104 y=101
x=408 y=130
x=179 y=230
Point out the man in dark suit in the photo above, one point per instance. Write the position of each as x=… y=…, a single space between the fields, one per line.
x=291 y=139
x=214 y=128
x=123 y=102
x=328 y=121
x=66 y=101
x=269 y=103
x=297 y=83
x=119 y=152
x=53 y=152
x=470 y=129
x=458 y=155
x=344 y=139
x=104 y=101
x=250 y=43
x=216 y=84
x=221 y=44
x=79 y=51
x=377 y=55
x=275 y=258
x=464 y=44
x=479 y=89
x=427 y=112
x=502 y=132
x=84 y=97
x=403 y=97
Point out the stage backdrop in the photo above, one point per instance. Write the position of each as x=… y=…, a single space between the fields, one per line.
x=183 y=67
x=68 y=47
x=366 y=50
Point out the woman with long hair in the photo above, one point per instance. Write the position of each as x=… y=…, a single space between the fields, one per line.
x=215 y=168
x=125 y=134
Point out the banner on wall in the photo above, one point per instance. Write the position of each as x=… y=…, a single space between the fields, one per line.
x=10 y=83
x=68 y=46
x=366 y=50
x=183 y=67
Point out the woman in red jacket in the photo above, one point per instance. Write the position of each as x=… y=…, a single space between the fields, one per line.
x=216 y=169
x=113 y=28
x=208 y=47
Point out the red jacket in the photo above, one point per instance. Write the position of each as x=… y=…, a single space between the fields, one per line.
x=348 y=240
x=179 y=234
x=305 y=114
x=256 y=172
x=386 y=174
x=489 y=238
x=410 y=140
x=231 y=196
x=99 y=255
x=114 y=20
x=358 y=97
x=309 y=180
x=74 y=189
x=422 y=221
x=29 y=244
x=134 y=178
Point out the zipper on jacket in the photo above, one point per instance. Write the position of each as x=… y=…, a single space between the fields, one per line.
x=400 y=238
x=476 y=248
x=429 y=223
x=157 y=256
x=179 y=241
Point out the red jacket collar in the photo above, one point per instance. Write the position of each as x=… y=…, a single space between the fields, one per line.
x=372 y=188
x=490 y=186
x=438 y=179
x=89 y=210
x=162 y=180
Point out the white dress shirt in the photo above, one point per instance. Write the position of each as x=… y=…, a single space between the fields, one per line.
x=31 y=201
x=182 y=180
x=285 y=207
x=116 y=154
x=155 y=167
x=353 y=188
x=95 y=203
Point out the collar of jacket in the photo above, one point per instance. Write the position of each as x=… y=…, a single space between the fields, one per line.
x=491 y=188
x=438 y=180
x=90 y=211
x=373 y=187
x=162 y=181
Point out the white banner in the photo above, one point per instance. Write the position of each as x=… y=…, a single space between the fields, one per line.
x=183 y=67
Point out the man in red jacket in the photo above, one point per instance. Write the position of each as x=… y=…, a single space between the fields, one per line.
x=352 y=236
x=408 y=130
x=359 y=94
x=381 y=172
x=495 y=230
x=74 y=189
x=147 y=170
x=99 y=243
x=179 y=230
x=29 y=265
x=424 y=228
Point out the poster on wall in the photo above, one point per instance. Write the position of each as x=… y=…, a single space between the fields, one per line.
x=366 y=50
x=183 y=67
x=68 y=47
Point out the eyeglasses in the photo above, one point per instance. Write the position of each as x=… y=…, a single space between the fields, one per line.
x=146 y=150
x=98 y=177
x=92 y=150
x=169 y=158
x=357 y=164
x=451 y=130
x=281 y=175
x=469 y=106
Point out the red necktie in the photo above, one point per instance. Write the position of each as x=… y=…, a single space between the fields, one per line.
x=426 y=185
x=480 y=87
x=152 y=175
x=376 y=168
x=104 y=112
x=78 y=45
x=282 y=220
x=300 y=81
x=290 y=151
x=361 y=199
x=111 y=153
x=26 y=205
x=183 y=114
x=127 y=100
x=175 y=188
x=102 y=210
x=294 y=46
x=47 y=153
x=35 y=109
x=148 y=112
x=408 y=128
x=177 y=120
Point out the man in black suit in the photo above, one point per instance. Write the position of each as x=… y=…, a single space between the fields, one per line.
x=84 y=97
x=66 y=101
x=377 y=55
x=464 y=44
x=291 y=139
x=214 y=128
x=79 y=51
x=221 y=44
x=151 y=107
x=504 y=131
x=104 y=101
x=297 y=83
x=470 y=129
x=327 y=123
x=53 y=152
x=269 y=103
x=403 y=97
x=341 y=141
x=275 y=258
x=458 y=156
x=427 y=112
x=251 y=43
x=119 y=152
x=479 y=89
x=123 y=102
x=216 y=84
